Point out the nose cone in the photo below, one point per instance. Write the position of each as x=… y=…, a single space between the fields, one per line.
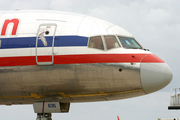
x=155 y=76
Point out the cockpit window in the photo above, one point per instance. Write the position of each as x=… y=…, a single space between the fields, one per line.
x=96 y=42
x=129 y=43
x=111 y=42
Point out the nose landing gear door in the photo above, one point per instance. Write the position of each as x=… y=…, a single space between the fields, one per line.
x=45 y=44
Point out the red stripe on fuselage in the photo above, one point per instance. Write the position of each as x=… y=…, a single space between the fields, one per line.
x=151 y=58
x=81 y=59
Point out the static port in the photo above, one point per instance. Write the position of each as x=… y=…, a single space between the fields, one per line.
x=120 y=70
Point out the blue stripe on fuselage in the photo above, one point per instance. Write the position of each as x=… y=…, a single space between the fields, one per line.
x=28 y=42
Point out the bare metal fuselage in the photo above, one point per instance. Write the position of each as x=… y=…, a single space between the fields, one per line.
x=69 y=83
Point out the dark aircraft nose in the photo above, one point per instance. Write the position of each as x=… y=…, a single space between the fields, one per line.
x=155 y=74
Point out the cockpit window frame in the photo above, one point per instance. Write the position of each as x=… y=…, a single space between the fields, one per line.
x=128 y=37
x=120 y=46
x=117 y=38
x=102 y=42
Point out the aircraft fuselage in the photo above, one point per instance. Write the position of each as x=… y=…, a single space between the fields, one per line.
x=65 y=57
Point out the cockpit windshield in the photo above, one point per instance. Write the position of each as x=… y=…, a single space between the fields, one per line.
x=111 y=42
x=107 y=42
x=129 y=43
x=96 y=42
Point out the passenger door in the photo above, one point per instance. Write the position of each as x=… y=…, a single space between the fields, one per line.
x=45 y=44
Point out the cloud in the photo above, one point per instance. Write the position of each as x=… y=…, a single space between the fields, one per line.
x=157 y=16
x=65 y=5
x=24 y=4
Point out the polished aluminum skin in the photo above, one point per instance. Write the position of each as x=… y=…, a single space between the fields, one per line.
x=90 y=81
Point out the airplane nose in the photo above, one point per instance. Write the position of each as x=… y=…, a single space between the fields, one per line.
x=155 y=75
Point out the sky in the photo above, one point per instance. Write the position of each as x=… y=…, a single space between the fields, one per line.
x=154 y=23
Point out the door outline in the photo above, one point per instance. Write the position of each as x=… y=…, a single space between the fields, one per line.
x=37 y=38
